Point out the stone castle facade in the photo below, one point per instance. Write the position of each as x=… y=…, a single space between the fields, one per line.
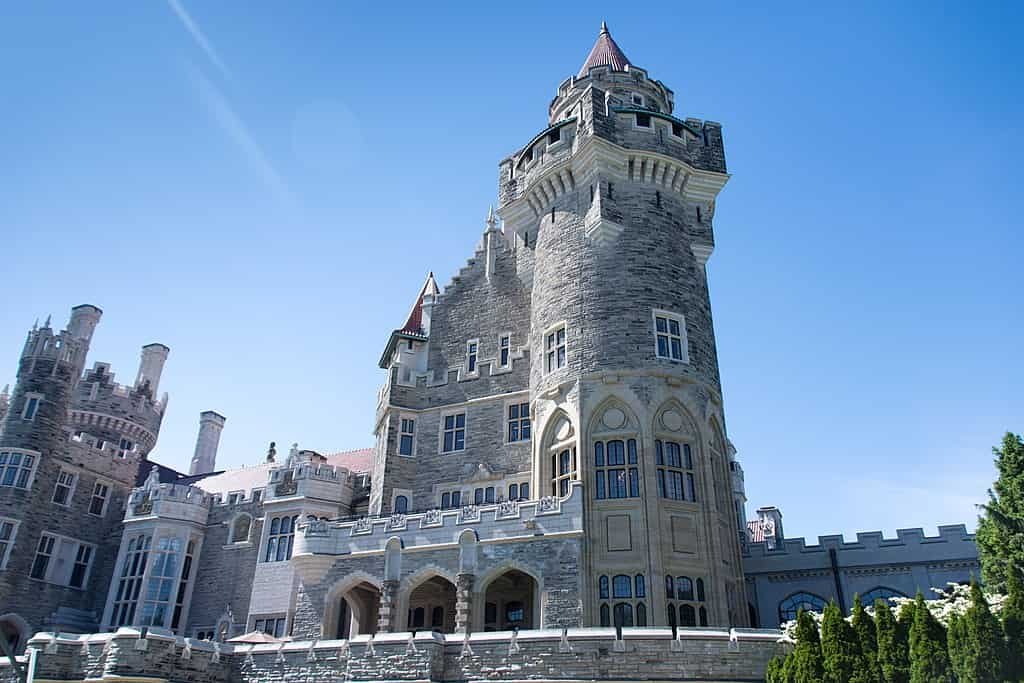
x=551 y=449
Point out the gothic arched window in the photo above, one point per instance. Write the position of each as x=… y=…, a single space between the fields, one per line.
x=789 y=607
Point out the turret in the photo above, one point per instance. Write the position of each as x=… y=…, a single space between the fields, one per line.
x=205 y=459
x=151 y=366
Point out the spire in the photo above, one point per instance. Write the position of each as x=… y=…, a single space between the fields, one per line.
x=414 y=322
x=604 y=53
x=492 y=220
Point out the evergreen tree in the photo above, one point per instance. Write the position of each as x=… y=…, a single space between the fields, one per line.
x=929 y=658
x=804 y=664
x=1013 y=627
x=956 y=645
x=982 y=642
x=776 y=671
x=893 y=657
x=1000 y=535
x=864 y=630
x=839 y=648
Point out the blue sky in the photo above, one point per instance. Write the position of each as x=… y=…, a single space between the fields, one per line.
x=263 y=187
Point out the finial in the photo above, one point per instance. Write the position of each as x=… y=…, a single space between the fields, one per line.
x=35 y=325
x=491 y=220
x=47 y=323
x=604 y=27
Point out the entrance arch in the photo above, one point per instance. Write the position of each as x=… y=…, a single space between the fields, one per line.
x=351 y=608
x=16 y=631
x=510 y=599
x=430 y=605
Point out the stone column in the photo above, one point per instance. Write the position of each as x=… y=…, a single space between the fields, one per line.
x=463 y=602
x=388 y=609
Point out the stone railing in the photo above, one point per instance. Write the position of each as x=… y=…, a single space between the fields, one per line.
x=594 y=654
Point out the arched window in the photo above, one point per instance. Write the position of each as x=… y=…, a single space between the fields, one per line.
x=401 y=505
x=687 y=616
x=703 y=612
x=641 y=587
x=670 y=587
x=671 y=615
x=684 y=588
x=880 y=593
x=675 y=470
x=615 y=469
x=606 y=619
x=437 y=618
x=563 y=470
x=240 y=529
x=700 y=590
x=621 y=587
x=789 y=607
x=641 y=614
x=623 y=614
x=602 y=587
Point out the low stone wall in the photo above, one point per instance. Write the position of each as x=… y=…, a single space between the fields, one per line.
x=593 y=654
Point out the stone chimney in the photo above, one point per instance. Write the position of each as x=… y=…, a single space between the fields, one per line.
x=205 y=459
x=151 y=366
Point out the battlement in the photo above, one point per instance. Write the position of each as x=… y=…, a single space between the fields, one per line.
x=44 y=344
x=128 y=416
x=633 y=80
x=169 y=501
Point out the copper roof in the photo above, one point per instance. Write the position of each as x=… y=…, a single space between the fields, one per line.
x=604 y=53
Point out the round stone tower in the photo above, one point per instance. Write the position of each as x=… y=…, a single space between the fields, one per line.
x=611 y=207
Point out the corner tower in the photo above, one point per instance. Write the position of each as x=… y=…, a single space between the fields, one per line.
x=612 y=206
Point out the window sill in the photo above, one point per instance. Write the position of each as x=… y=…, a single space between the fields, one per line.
x=241 y=545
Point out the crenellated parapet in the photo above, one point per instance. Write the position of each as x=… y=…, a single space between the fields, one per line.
x=178 y=502
x=127 y=416
x=306 y=474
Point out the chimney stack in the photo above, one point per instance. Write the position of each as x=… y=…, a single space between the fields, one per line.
x=151 y=366
x=205 y=459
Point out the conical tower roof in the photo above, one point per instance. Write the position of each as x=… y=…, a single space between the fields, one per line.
x=605 y=52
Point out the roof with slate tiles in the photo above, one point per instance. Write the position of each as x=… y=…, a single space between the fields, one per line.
x=605 y=53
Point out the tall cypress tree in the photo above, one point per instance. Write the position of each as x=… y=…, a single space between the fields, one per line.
x=864 y=631
x=804 y=664
x=1000 y=535
x=956 y=645
x=1013 y=627
x=983 y=643
x=839 y=648
x=929 y=658
x=893 y=655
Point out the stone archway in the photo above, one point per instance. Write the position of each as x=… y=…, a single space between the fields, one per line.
x=15 y=630
x=511 y=600
x=351 y=608
x=431 y=606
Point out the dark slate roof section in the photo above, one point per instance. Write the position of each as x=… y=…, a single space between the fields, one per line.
x=604 y=53
x=167 y=474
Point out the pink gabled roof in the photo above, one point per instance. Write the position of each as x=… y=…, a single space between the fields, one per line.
x=414 y=322
x=605 y=52
x=357 y=461
x=255 y=477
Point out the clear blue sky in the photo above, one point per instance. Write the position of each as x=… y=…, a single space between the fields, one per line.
x=263 y=187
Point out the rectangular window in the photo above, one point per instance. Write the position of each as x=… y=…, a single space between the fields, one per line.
x=519 y=422
x=471 y=352
x=407 y=432
x=8 y=530
x=65 y=487
x=16 y=469
x=643 y=120
x=638 y=100
x=554 y=350
x=674 y=470
x=451 y=499
x=454 y=436
x=31 y=406
x=280 y=538
x=677 y=130
x=272 y=627
x=130 y=581
x=670 y=337
x=504 y=347
x=63 y=561
x=44 y=551
x=615 y=468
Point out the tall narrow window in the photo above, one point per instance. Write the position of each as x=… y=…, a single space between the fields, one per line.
x=31 y=406
x=454 y=437
x=280 y=538
x=401 y=505
x=163 y=575
x=615 y=468
x=554 y=350
x=186 y=573
x=670 y=337
x=563 y=469
x=44 y=551
x=407 y=432
x=100 y=494
x=504 y=346
x=674 y=470
x=451 y=499
x=8 y=530
x=64 y=488
x=518 y=422
x=83 y=558
x=471 y=349
x=130 y=581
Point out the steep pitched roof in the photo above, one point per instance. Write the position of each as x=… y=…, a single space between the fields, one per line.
x=414 y=323
x=256 y=476
x=604 y=52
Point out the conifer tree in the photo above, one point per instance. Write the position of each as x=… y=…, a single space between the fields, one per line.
x=864 y=631
x=1000 y=535
x=893 y=656
x=839 y=648
x=775 y=673
x=929 y=658
x=956 y=645
x=804 y=664
x=983 y=648
x=1013 y=627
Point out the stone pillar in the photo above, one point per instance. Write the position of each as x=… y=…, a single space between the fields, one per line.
x=388 y=610
x=463 y=602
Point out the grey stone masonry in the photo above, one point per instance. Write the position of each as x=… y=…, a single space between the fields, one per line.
x=573 y=655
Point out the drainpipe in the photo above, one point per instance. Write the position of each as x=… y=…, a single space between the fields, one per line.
x=835 y=576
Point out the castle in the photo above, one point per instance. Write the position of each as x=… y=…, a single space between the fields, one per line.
x=551 y=449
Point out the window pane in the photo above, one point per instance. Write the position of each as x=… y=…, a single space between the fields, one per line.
x=460 y=420
x=621 y=587
x=599 y=454
x=677 y=349
x=661 y=324
x=603 y=587
x=673 y=327
x=663 y=346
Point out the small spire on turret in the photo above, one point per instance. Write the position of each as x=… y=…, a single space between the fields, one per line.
x=35 y=325
x=492 y=222
x=47 y=323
